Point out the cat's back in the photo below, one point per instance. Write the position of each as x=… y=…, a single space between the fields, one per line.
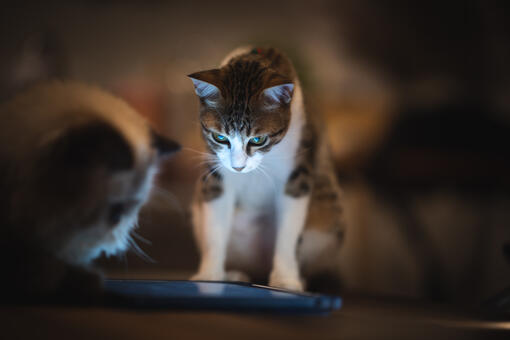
x=47 y=110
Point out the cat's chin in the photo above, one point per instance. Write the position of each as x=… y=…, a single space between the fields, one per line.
x=242 y=172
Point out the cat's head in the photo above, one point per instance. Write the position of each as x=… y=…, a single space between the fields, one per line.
x=99 y=180
x=244 y=111
x=79 y=167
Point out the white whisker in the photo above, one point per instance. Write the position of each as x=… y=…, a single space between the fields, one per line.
x=138 y=251
x=202 y=153
x=123 y=258
x=263 y=170
x=211 y=171
x=141 y=238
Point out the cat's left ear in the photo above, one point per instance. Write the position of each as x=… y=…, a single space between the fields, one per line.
x=206 y=86
x=164 y=146
x=279 y=94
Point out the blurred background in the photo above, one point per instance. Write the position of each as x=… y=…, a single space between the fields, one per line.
x=415 y=95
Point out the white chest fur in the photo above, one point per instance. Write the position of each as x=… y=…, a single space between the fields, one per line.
x=253 y=226
x=257 y=194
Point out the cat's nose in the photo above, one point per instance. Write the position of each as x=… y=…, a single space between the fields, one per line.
x=240 y=168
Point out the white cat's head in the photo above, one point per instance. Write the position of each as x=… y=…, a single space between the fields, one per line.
x=79 y=166
x=244 y=110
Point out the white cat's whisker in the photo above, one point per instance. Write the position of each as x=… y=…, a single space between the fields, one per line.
x=141 y=238
x=207 y=170
x=264 y=171
x=214 y=165
x=207 y=161
x=139 y=252
x=270 y=176
x=202 y=153
x=122 y=256
x=204 y=156
x=213 y=170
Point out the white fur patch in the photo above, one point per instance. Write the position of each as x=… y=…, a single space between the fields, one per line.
x=102 y=238
x=212 y=225
x=207 y=91
x=50 y=109
x=255 y=191
x=280 y=94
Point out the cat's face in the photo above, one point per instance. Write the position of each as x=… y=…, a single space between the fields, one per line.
x=78 y=164
x=90 y=187
x=244 y=112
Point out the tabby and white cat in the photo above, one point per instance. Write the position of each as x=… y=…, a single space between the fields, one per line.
x=270 y=202
x=76 y=165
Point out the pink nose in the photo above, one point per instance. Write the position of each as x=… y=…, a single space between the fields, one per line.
x=238 y=168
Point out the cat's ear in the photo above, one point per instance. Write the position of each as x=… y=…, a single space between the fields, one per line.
x=89 y=145
x=164 y=146
x=206 y=86
x=279 y=94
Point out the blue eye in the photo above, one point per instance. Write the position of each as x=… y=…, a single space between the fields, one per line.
x=219 y=138
x=259 y=140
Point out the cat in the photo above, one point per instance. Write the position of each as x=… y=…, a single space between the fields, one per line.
x=76 y=165
x=269 y=202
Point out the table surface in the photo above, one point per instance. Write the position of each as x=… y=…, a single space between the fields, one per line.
x=359 y=318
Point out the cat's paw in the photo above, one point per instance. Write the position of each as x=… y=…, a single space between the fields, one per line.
x=238 y=276
x=290 y=282
x=209 y=276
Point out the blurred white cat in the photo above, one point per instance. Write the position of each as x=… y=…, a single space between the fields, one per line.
x=76 y=165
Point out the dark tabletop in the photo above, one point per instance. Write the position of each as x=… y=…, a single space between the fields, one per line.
x=359 y=318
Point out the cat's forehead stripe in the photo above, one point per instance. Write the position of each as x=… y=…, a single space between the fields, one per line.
x=232 y=126
x=242 y=108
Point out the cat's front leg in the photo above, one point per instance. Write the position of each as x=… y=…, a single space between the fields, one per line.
x=291 y=221
x=213 y=223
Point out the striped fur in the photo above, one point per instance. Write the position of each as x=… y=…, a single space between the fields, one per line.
x=280 y=215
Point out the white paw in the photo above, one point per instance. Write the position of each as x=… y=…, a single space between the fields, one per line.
x=235 y=275
x=208 y=276
x=290 y=282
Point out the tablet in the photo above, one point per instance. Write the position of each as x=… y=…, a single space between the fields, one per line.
x=213 y=295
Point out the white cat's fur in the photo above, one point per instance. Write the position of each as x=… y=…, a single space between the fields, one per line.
x=240 y=227
x=40 y=116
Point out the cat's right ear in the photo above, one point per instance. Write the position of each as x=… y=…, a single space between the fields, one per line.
x=206 y=86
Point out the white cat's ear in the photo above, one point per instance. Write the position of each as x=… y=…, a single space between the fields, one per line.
x=205 y=88
x=279 y=94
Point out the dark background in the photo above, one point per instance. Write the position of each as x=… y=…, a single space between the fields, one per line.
x=415 y=95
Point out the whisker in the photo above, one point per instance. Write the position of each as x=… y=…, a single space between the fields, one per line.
x=211 y=171
x=139 y=252
x=263 y=170
x=123 y=259
x=207 y=161
x=203 y=153
x=141 y=238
